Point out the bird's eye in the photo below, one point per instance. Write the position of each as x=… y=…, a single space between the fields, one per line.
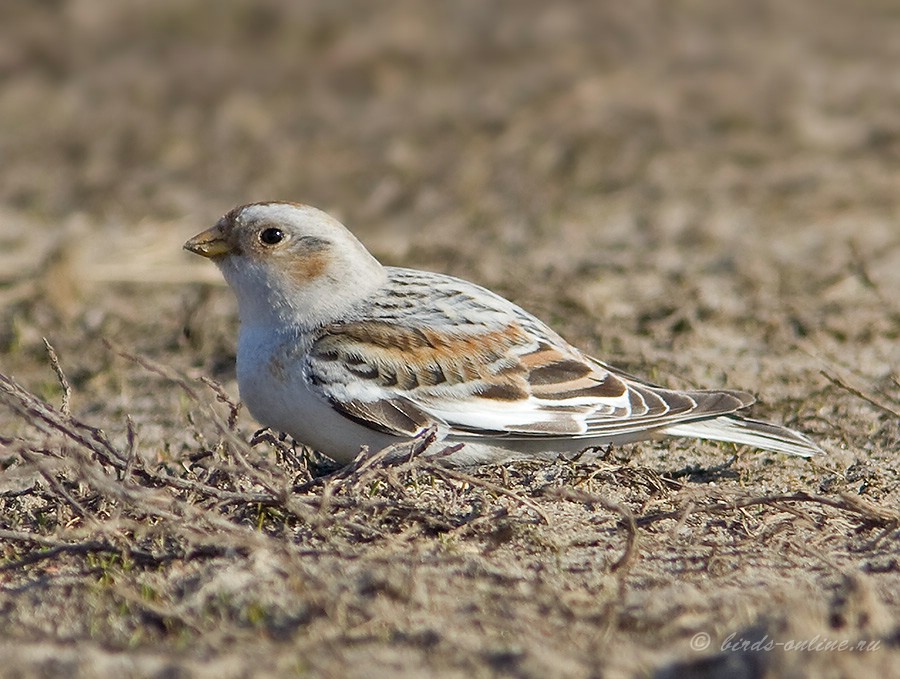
x=271 y=236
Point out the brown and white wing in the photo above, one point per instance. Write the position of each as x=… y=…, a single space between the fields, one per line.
x=491 y=380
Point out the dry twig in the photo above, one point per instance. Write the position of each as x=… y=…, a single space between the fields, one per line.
x=868 y=398
x=61 y=376
x=628 y=519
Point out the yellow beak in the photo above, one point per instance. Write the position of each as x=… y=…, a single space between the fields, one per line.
x=211 y=243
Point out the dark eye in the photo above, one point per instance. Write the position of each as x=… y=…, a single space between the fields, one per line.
x=271 y=236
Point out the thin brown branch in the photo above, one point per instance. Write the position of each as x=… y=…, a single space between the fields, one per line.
x=56 y=546
x=131 y=452
x=55 y=485
x=448 y=474
x=868 y=398
x=628 y=518
x=234 y=407
x=876 y=515
x=61 y=376
x=46 y=418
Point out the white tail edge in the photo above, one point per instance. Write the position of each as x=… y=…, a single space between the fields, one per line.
x=734 y=429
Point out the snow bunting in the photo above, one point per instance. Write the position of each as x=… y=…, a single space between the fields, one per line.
x=341 y=352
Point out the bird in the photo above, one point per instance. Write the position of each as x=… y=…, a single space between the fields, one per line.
x=346 y=355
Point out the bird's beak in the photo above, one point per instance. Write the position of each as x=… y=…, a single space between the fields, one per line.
x=211 y=243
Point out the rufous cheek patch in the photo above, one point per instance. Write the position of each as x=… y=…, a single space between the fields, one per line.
x=308 y=267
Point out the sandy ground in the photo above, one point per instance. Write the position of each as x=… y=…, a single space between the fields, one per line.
x=702 y=192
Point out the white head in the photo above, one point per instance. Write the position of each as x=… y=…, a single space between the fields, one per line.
x=289 y=263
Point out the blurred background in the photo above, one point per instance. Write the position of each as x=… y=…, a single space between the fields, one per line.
x=519 y=115
x=608 y=150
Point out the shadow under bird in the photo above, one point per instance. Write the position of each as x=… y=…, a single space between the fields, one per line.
x=341 y=352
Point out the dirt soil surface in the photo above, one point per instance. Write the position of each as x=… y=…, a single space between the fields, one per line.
x=704 y=193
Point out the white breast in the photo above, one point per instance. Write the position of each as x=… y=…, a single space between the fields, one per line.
x=275 y=389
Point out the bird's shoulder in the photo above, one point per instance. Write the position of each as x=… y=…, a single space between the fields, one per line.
x=435 y=319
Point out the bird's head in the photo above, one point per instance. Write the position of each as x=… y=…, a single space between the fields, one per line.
x=289 y=263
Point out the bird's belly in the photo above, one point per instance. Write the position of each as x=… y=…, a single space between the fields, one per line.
x=278 y=395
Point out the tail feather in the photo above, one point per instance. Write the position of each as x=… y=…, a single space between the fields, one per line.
x=734 y=429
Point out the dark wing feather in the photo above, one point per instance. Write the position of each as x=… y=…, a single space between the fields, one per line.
x=395 y=416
